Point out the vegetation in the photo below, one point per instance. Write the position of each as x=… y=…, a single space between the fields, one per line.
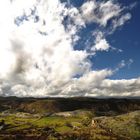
x=51 y=119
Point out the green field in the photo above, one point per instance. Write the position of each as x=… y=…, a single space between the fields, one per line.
x=23 y=120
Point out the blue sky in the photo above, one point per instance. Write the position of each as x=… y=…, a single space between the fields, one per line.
x=126 y=38
x=66 y=48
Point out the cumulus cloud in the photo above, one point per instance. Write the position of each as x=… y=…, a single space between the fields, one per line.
x=86 y=83
x=101 y=43
x=100 y=12
x=121 y=87
x=37 y=55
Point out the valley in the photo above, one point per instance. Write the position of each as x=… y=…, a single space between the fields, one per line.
x=69 y=119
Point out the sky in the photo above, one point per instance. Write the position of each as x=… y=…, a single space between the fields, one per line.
x=68 y=48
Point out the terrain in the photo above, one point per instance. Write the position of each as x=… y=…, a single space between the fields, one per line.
x=78 y=118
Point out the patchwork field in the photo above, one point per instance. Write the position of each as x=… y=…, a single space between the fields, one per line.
x=57 y=119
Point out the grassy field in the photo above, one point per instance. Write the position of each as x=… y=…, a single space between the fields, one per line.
x=60 y=123
x=125 y=126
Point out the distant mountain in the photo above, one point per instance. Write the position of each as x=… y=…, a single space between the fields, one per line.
x=43 y=105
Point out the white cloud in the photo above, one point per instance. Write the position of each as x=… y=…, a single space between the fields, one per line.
x=100 y=12
x=122 y=87
x=123 y=64
x=101 y=45
x=96 y=83
x=87 y=10
x=130 y=62
x=37 y=56
x=37 y=61
x=86 y=83
x=119 y=22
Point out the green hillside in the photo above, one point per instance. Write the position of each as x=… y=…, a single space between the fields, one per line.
x=69 y=119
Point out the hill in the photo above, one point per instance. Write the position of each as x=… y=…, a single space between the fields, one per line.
x=43 y=105
x=69 y=118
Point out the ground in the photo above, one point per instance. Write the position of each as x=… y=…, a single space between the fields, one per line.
x=83 y=123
